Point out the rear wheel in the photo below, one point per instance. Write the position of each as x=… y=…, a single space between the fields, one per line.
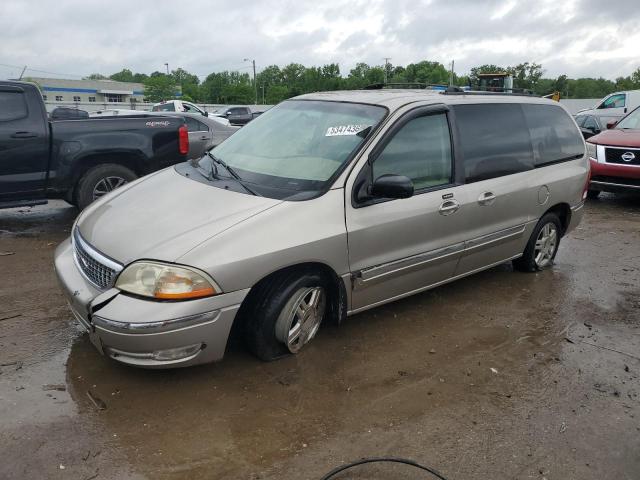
x=101 y=180
x=285 y=314
x=542 y=246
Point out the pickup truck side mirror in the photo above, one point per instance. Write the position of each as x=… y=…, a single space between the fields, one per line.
x=227 y=113
x=392 y=186
x=206 y=114
x=611 y=124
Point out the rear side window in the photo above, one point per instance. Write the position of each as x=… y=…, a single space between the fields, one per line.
x=12 y=106
x=420 y=150
x=554 y=136
x=494 y=140
x=194 y=125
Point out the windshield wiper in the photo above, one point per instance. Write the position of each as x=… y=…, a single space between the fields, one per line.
x=216 y=161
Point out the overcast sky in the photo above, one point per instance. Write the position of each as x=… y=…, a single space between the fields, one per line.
x=78 y=37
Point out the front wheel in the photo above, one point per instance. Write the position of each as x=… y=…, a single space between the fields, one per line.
x=286 y=314
x=542 y=246
x=99 y=181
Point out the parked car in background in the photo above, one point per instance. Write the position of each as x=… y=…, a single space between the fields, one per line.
x=178 y=106
x=238 y=115
x=67 y=113
x=331 y=204
x=589 y=124
x=613 y=107
x=78 y=160
x=204 y=132
x=615 y=157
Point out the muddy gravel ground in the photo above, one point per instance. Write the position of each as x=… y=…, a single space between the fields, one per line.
x=500 y=375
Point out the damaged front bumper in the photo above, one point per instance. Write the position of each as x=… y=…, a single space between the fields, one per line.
x=147 y=333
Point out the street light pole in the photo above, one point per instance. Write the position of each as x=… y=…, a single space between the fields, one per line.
x=255 y=84
x=167 y=65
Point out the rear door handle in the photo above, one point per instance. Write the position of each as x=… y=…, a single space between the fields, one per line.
x=204 y=137
x=487 y=198
x=448 y=207
x=24 y=135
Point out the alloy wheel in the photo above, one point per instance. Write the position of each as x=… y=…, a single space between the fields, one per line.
x=300 y=318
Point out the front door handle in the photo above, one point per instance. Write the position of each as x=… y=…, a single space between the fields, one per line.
x=24 y=135
x=448 y=207
x=204 y=137
x=487 y=198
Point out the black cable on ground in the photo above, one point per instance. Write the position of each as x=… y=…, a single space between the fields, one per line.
x=363 y=461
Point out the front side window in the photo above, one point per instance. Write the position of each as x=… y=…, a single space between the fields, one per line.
x=554 y=136
x=614 y=101
x=580 y=119
x=494 y=140
x=420 y=150
x=12 y=106
x=297 y=146
x=631 y=121
x=591 y=124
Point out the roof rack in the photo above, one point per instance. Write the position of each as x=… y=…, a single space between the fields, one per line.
x=459 y=91
x=425 y=86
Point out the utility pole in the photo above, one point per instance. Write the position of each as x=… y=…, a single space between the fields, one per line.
x=386 y=68
x=451 y=75
x=255 y=84
x=167 y=65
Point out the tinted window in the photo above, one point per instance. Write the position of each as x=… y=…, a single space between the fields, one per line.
x=580 y=119
x=12 y=106
x=238 y=111
x=554 y=136
x=591 y=123
x=614 y=101
x=165 y=107
x=420 y=150
x=192 y=125
x=494 y=140
x=631 y=121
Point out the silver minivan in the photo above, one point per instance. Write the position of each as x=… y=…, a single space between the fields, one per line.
x=326 y=205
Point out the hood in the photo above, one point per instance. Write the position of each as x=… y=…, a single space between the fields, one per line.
x=163 y=216
x=616 y=137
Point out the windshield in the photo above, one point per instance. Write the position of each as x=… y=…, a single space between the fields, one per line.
x=631 y=121
x=297 y=145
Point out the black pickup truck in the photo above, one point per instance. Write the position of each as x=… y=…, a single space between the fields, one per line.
x=77 y=160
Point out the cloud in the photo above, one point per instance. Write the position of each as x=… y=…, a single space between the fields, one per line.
x=573 y=37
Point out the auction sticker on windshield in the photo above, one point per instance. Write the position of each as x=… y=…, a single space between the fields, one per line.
x=344 y=130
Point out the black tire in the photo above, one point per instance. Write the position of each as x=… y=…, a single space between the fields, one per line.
x=84 y=193
x=527 y=262
x=265 y=306
x=593 y=194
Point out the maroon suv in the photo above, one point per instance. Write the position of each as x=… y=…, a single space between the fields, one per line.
x=615 y=157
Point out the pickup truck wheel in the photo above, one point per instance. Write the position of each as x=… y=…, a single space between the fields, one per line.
x=101 y=180
x=542 y=246
x=285 y=314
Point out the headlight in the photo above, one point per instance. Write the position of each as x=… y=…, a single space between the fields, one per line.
x=592 y=151
x=165 y=282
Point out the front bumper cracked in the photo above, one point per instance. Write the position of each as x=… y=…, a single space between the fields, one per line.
x=137 y=331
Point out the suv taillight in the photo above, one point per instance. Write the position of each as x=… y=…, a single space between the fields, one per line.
x=183 y=140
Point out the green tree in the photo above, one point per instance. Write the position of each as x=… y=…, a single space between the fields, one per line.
x=124 y=75
x=276 y=94
x=95 y=76
x=159 y=87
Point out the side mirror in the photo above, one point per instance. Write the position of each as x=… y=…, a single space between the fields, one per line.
x=227 y=113
x=392 y=186
x=611 y=124
x=206 y=114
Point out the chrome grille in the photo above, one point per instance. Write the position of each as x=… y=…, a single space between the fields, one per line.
x=98 y=269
